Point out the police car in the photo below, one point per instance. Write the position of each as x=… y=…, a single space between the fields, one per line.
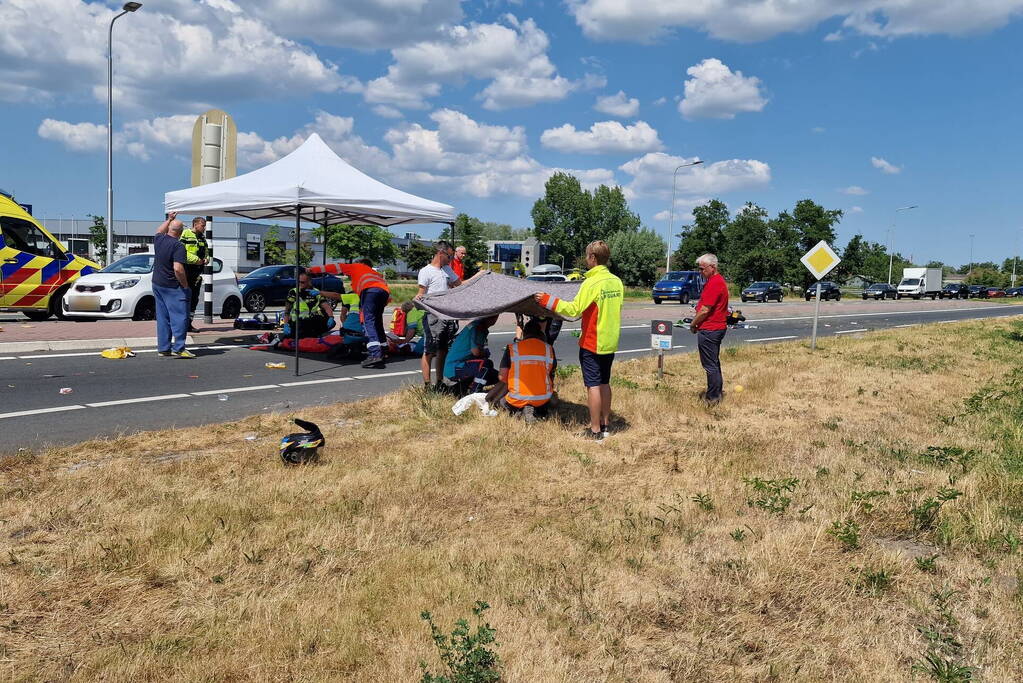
x=35 y=269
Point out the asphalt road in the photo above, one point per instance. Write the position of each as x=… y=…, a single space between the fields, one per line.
x=228 y=381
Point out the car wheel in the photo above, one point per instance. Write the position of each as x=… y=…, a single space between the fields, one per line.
x=55 y=303
x=255 y=301
x=38 y=316
x=684 y=299
x=657 y=301
x=232 y=307
x=145 y=309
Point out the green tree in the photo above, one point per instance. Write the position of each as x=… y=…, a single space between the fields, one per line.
x=705 y=235
x=636 y=255
x=853 y=257
x=800 y=231
x=469 y=233
x=988 y=276
x=98 y=237
x=275 y=253
x=349 y=242
x=747 y=254
x=418 y=255
x=611 y=213
x=563 y=218
x=1007 y=265
x=503 y=231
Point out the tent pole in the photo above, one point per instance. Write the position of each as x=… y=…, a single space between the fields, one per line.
x=325 y=221
x=298 y=257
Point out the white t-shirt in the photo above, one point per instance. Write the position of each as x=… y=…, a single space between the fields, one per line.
x=436 y=279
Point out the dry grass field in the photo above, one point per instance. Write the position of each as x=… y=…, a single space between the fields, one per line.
x=854 y=515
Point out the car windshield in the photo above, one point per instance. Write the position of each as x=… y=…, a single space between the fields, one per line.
x=136 y=264
x=675 y=275
x=876 y=287
x=911 y=281
x=265 y=271
x=760 y=285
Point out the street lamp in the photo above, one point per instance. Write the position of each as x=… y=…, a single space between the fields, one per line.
x=128 y=7
x=1015 y=258
x=891 y=240
x=671 y=212
x=970 y=272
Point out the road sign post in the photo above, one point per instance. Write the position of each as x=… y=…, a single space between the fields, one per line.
x=660 y=339
x=820 y=261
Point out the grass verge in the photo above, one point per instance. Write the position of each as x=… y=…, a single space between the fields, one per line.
x=836 y=520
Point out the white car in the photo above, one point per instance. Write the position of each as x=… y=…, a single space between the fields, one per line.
x=124 y=289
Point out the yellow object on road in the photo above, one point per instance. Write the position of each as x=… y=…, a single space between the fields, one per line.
x=738 y=388
x=276 y=366
x=117 y=352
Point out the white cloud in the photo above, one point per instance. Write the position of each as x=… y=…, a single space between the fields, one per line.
x=604 y=137
x=652 y=176
x=818 y=129
x=181 y=52
x=388 y=112
x=855 y=209
x=754 y=20
x=884 y=166
x=660 y=101
x=366 y=24
x=511 y=55
x=619 y=105
x=715 y=91
x=854 y=190
x=77 y=137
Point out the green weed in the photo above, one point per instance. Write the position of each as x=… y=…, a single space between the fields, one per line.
x=925 y=514
x=703 y=501
x=769 y=494
x=928 y=565
x=847 y=532
x=863 y=498
x=465 y=655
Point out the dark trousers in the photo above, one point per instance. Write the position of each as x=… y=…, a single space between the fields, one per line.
x=194 y=276
x=313 y=326
x=371 y=303
x=709 y=343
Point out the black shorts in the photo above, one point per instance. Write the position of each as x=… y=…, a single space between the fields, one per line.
x=596 y=367
x=438 y=334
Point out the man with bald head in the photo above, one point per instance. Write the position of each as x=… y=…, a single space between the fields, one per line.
x=170 y=289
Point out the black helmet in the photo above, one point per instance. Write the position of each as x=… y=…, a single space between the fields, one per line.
x=301 y=447
x=735 y=317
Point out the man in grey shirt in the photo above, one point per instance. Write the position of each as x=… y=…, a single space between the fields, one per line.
x=437 y=276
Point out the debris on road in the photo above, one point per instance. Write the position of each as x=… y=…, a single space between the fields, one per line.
x=276 y=366
x=66 y=390
x=117 y=353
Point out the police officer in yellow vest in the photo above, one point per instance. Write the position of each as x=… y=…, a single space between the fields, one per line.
x=197 y=254
x=308 y=309
x=527 y=374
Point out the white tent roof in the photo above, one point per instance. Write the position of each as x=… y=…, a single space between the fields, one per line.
x=327 y=189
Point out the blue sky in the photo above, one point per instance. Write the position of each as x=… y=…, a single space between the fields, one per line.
x=476 y=103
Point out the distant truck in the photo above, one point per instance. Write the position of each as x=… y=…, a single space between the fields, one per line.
x=920 y=282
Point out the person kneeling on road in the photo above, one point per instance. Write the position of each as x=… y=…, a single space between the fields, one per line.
x=526 y=383
x=307 y=309
x=468 y=361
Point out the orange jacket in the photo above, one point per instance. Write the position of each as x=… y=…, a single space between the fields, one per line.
x=529 y=377
x=363 y=277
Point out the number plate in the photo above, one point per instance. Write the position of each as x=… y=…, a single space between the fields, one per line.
x=84 y=303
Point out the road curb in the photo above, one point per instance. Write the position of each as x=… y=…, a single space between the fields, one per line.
x=80 y=344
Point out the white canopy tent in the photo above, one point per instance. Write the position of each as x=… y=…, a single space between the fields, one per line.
x=311 y=184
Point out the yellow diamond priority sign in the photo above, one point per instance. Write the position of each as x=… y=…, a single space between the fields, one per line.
x=820 y=260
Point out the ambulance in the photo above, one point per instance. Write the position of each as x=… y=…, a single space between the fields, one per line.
x=35 y=269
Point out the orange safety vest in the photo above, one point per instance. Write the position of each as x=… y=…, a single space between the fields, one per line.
x=398 y=322
x=529 y=377
x=363 y=277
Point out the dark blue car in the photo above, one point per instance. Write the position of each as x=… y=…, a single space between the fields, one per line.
x=682 y=286
x=269 y=286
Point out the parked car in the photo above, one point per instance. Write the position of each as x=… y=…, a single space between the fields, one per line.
x=992 y=293
x=955 y=290
x=977 y=291
x=269 y=286
x=829 y=290
x=879 y=290
x=1014 y=291
x=124 y=289
x=763 y=292
x=678 y=285
x=547 y=278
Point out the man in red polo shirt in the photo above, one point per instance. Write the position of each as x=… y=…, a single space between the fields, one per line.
x=710 y=324
x=457 y=263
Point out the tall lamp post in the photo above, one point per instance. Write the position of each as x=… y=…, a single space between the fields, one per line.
x=671 y=211
x=128 y=7
x=970 y=272
x=1015 y=257
x=891 y=240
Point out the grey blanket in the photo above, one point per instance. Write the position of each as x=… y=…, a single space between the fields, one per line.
x=488 y=293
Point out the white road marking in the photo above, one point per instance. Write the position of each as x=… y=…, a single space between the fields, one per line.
x=317 y=381
x=765 y=339
x=235 y=390
x=388 y=374
x=41 y=411
x=909 y=325
x=144 y=399
x=848 y=331
x=8 y=358
x=76 y=354
x=862 y=315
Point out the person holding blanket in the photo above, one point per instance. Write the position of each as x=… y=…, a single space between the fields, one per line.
x=373 y=294
x=599 y=302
